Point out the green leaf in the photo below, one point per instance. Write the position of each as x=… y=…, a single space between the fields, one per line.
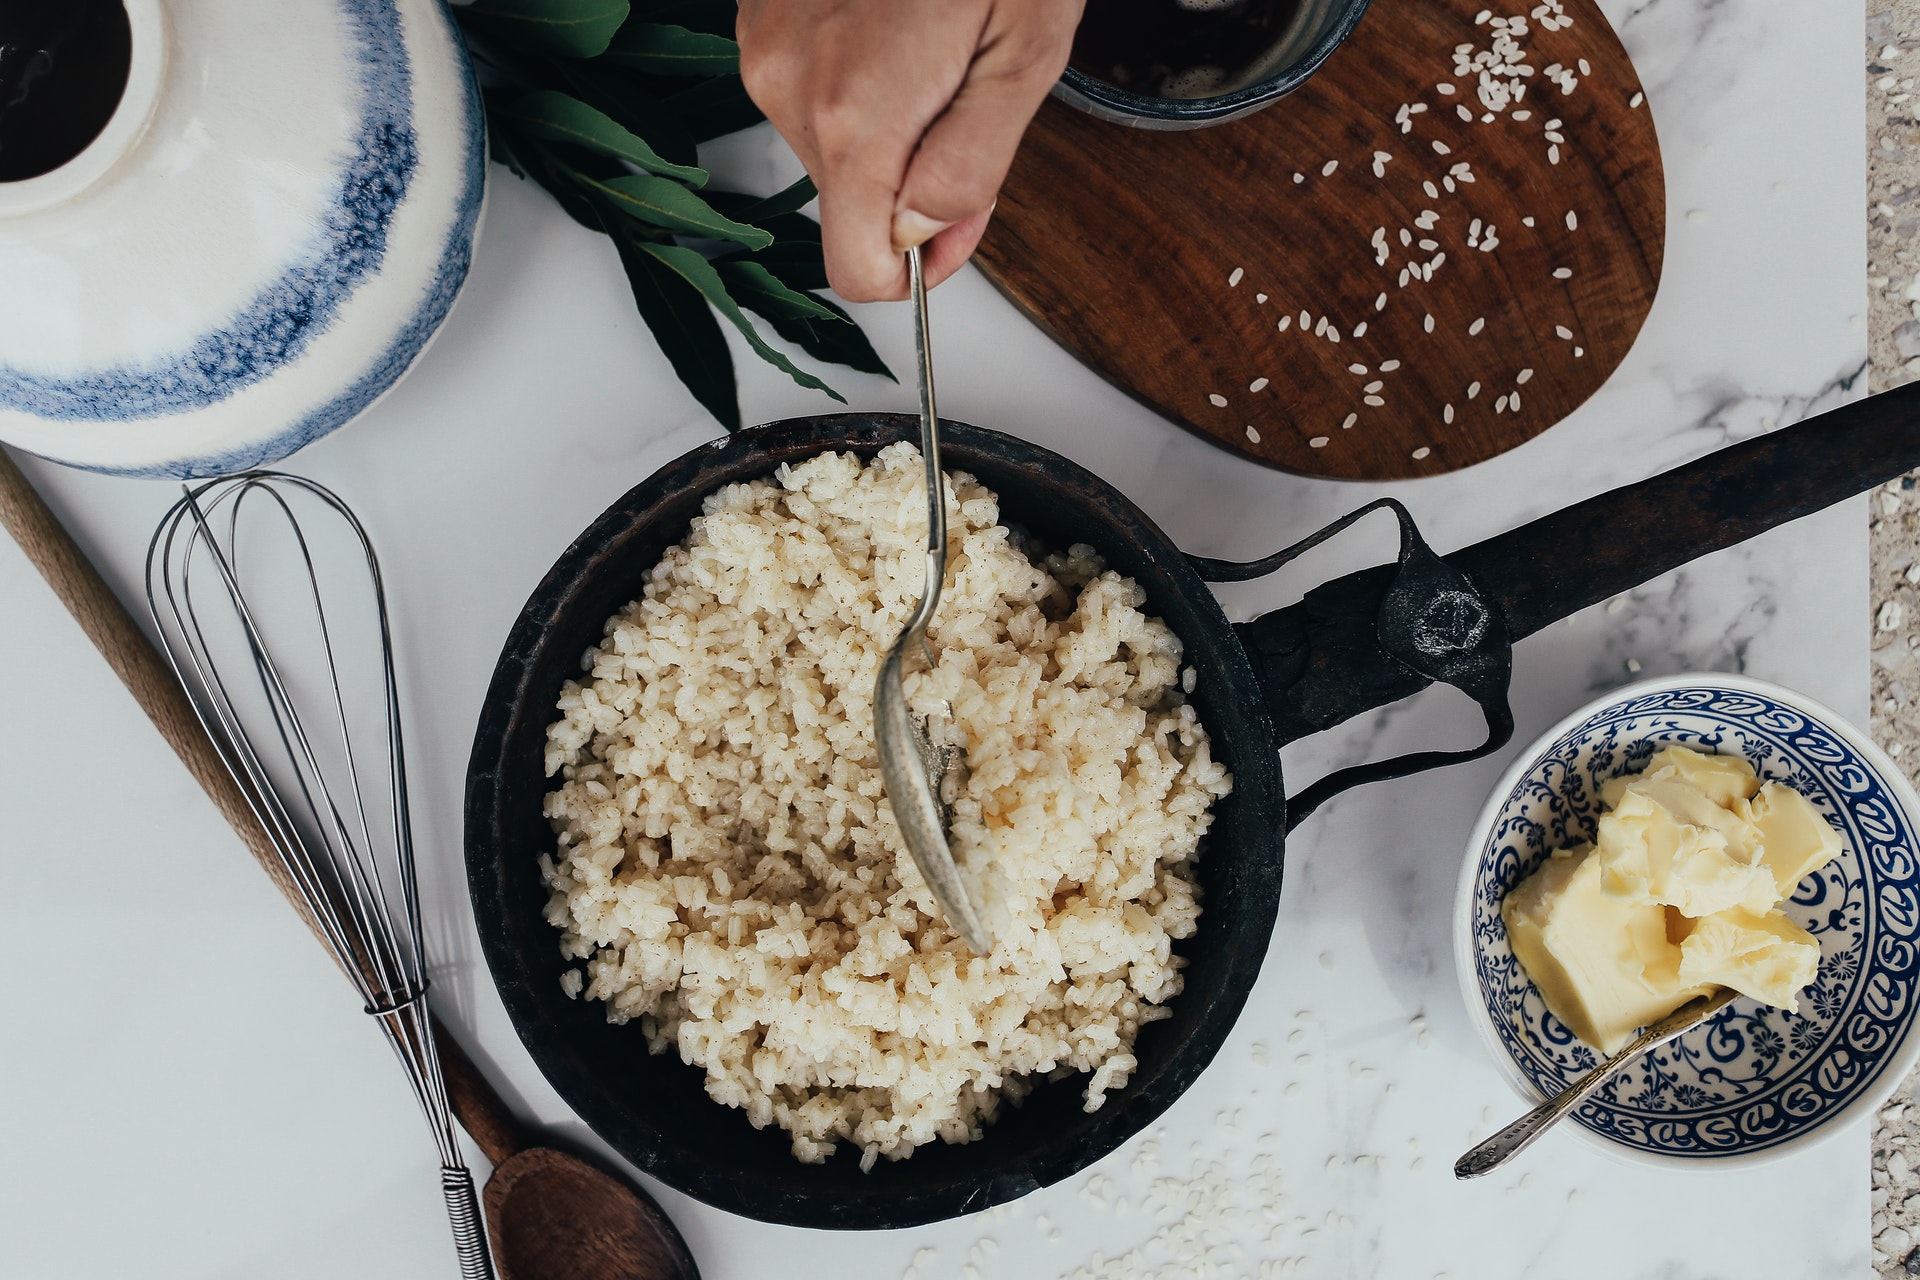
x=573 y=28
x=713 y=108
x=530 y=158
x=667 y=50
x=620 y=95
x=837 y=341
x=791 y=228
x=743 y=208
x=795 y=266
x=815 y=325
x=500 y=147
x=549 y=114
x=715 y=17
x=685 y=328
x=699 y=273
x=661 y=202
x=758 y=288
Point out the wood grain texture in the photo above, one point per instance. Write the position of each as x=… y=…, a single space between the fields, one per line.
x=1121 y=243
x=480 y=1110
x=552 y=1216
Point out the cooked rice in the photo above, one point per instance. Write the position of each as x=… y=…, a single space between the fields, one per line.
x=728 y=868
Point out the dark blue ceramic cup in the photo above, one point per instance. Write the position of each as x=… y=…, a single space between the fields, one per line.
x=1320 y=28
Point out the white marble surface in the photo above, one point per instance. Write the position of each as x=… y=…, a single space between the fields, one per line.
x=189 y=1092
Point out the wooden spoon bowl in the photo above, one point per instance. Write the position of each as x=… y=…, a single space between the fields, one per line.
x=550 y=1214
x=553 y=1216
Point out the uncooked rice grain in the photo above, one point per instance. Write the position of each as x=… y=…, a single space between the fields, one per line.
x=728 y=872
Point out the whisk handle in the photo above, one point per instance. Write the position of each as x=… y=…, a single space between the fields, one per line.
x=469 y=1232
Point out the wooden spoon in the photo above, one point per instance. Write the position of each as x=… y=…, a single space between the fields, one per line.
x=550 y=1215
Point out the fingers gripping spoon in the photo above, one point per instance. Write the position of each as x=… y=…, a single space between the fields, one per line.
x=915 y=765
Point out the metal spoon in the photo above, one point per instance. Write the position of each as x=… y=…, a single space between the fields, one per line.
x=913 y=767
x=1518 y=1136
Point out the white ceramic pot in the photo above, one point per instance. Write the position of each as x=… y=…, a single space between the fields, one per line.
x=263 y=238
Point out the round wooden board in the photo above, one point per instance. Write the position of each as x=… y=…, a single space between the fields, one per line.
x=1180 y=265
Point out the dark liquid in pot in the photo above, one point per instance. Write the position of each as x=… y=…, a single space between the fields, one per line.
x=1166 y=49
x=63 y=67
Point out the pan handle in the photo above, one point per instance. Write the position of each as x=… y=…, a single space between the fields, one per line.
x=1431 y=624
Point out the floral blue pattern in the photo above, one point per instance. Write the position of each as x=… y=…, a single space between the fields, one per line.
x=1754 y=1077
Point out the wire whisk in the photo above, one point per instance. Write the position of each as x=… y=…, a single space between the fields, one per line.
x=295 y=727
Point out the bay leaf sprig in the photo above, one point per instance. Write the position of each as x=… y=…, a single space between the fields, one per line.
x=603 y=103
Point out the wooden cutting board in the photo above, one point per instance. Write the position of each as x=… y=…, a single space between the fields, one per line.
x=1265 y=282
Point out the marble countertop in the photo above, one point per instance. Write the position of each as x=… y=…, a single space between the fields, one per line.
x=181 y=1057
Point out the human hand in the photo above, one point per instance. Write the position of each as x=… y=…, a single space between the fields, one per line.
x=906 y=113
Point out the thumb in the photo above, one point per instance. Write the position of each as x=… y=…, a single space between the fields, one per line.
x=956 y=171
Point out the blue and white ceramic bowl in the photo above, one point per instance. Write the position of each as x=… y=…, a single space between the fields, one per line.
x=1754 y=1081
x=266 y=234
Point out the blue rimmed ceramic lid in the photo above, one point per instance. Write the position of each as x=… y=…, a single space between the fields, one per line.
x=268 y=231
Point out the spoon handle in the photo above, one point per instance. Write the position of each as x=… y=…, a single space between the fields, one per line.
x=1518 y=1136
x=929 y=451
x=480 y=1110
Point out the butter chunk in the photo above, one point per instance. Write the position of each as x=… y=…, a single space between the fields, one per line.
x=1725 y=780
x=1668 y=842
x=1674 y=899
x=1795 y=839
x=1768 y=957
x=1604 y=964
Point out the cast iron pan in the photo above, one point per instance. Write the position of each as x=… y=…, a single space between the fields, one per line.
x=1350 y=645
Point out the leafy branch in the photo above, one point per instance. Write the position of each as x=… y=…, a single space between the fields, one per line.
x=603 y=103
